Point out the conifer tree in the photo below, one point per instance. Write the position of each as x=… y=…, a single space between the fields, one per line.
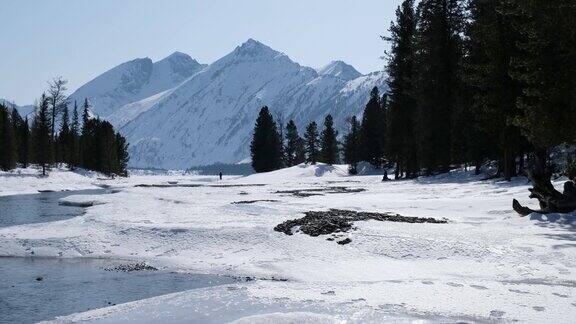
x=311 y=143
x=293 y=141
x=352 y=146
x=266 y=146
x=75 y=138
x=65 y=138
x=490 y=50
x=85 y=135
x=122 y=155
x=371 y=134
x=328 y=142
x=7 y=140
x=41 y=135
x=24 y=143
x=16 y=125
x=85 y=111
x=545 y=65
x=439 y=53
x=57 y=98
x=400 y=142
x=300 y=151
x=105 y=148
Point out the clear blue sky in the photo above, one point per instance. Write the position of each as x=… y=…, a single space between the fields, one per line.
x=79 y=39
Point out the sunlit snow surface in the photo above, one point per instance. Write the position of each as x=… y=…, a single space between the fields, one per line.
x=487 y=264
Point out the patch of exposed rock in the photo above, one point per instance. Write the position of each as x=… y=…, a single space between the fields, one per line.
x=132 y=267
x=319 y=191
x=247 y=202
x=316 y=223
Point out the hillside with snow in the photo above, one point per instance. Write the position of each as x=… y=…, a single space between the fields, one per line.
x=24 y=111
x=133 y=81
x=177 y=113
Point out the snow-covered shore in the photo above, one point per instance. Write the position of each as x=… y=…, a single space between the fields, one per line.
x=486 y=264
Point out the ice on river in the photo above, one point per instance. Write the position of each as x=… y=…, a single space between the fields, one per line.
x=486 y=264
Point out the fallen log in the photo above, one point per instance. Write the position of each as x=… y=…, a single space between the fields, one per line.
x=550 y=199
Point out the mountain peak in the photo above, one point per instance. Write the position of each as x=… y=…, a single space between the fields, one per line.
x=178 y=55
x=340 y=70
x=252 y=47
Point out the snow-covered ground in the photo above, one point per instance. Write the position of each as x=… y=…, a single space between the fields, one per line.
x=487 y=264
x=30 y=180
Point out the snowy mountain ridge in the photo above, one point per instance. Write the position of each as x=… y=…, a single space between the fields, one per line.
x=341 y=70
x=24 y=111
x=177 y=113
x=133 y=81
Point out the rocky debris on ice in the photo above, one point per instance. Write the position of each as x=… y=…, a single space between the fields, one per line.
x=139 y=266
x=195 y=185
x=247 y=202
x=317 y=223
x=320 y=191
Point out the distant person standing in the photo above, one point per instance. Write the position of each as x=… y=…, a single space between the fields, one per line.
x=220 y=174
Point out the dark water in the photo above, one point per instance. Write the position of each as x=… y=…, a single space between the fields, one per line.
x=39 y=208
x=72 y=285
x=75 y=285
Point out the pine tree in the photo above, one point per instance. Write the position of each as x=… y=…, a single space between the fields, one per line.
x=490 y=49
x=371 y=134
x=311 y=143
x=85 y=112
x=293 y=141
x=65 y=138
x=16 y=125
x=85 y=136
x=328 y=142
x=266 y=146
x=41 y=135
x=439 y=54
x=75 y=138
x=300 y=151
x=7 y=140
x=400 y=142
x=122 y=155
x=57 y=97
x=106 y=150
x=24 y=143
x=352 y=146
x=545 y=66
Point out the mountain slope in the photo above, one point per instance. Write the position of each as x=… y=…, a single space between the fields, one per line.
x=340 y=70
x=133 y=81
x=209 y=118
x=24 y=111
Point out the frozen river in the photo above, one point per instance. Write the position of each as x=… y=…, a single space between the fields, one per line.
x=39 y=208
x=34 y=289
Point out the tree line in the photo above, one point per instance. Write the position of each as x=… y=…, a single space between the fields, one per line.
x=480 y=80
x=469 y=82
x=271 y=150
x=54 y=136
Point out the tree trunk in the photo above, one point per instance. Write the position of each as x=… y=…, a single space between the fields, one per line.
x=478 y=166
x=521 y=164
x=507 y=173
x=53 y=119
x=550 y=199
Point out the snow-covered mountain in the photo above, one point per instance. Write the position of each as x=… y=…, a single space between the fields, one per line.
x=133 y=81
x=340 y=70
x=206 y=114
x=24 y=111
